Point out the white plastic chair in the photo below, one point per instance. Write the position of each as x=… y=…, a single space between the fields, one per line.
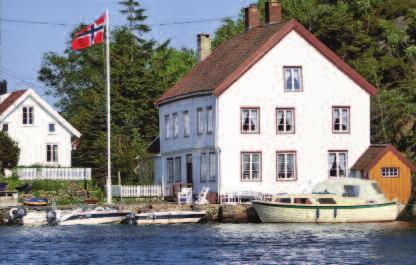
x=185 y=196
x=202 y=196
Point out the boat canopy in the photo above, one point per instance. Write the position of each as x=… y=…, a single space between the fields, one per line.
x=350 y=187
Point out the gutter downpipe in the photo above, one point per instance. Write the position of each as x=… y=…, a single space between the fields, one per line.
x=217 y=150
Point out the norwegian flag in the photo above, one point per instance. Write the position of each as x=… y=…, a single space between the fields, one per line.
x=92 y=34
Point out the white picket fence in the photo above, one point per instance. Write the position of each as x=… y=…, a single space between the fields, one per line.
x=130 y=191
x=54 y=173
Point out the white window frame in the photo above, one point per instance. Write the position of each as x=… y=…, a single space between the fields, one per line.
x=175 y=125
x=212 y=166
x=341 y=110
x=390 y=172
x=210 y=120
x=285 y=155
x=285 y=115
x=28 y=114
x=199 y=120
x=251 y=178
x=167 y=126
x=52 y=151
x=292 y=69
x=186 y=129
x=337 y=162
x=250 y=111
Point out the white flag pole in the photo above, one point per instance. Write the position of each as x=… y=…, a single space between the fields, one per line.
x=107 y=29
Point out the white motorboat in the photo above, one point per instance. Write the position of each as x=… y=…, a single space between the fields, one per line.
x=332 y=201
x=167 y=217
x=96 y=216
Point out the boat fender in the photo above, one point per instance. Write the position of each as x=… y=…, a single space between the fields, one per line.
x=335 y=212
x=317 y=213
x=51 y=218
x=13 y=213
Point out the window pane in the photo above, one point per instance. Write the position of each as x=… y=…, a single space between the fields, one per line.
x=209 y=120
x=212 y=166
x=290 y=165
x=332 y=164
x=178 y=169
x=289 y=120
x=281 y=121
x=255 y=158
x=336 y=120
x=296 y=78
x=186 y=123
x=175 y=125
x=199 y=120
x=203 y=167
x=170 y=169
x=345 y=118
x=288 y=79
x=167 y=126
x=30 y=120
x=281 y=165
x=253 y=121
x=245 y=120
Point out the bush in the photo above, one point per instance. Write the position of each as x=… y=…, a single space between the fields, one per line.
x=9 y=152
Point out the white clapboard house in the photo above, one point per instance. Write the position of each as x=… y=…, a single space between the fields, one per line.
x=271 y=110
x=44 y=137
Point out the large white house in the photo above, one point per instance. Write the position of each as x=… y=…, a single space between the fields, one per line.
x=44 y=137
x=271 y=110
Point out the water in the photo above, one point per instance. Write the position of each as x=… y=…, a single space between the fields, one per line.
x=378 y=243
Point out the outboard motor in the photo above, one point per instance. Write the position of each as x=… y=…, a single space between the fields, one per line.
x=130 y=219
x=51 y=218
x=16 y=215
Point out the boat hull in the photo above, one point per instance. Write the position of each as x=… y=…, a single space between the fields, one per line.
x=93 y=218
x=281 y=213
x=35 y=218
x=169 y=217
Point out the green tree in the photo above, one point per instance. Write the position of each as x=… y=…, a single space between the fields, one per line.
x=141 y=70
x=9 y=152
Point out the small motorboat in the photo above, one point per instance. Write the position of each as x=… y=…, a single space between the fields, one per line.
x=96 y=216
x=29 y=200
x=168 y=217
x=331 y=201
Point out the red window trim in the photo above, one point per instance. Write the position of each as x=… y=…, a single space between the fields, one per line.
x=301 y=78
x=294 y=120
x=241 y=117
x=241 y=165
x=392 y=176
x=295 y=178
x=346 y=164
x=349 y=119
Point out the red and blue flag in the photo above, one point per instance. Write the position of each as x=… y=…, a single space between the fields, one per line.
x=90 y=35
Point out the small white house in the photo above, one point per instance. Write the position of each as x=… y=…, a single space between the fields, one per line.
x=271 y=110
x=44 y=137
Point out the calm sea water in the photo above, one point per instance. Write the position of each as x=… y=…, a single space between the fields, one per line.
x=379 y=243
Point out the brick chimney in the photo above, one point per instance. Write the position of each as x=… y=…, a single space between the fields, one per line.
x=252 y=17
x=3 y=86
x=273 y=12
x=204 y=46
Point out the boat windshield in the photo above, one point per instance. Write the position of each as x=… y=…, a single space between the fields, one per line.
x=351 y=191
x=377 y=188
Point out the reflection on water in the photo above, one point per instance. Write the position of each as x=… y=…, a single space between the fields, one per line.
x=377 y=243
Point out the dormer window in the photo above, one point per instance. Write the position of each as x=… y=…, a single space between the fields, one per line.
x=293 y=78
x=28 y=116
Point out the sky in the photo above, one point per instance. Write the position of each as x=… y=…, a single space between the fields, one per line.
x=24 y=44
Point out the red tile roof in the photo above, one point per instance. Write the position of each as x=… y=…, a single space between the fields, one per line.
x=374 y=153
x=5 y=104
x=233 y=58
